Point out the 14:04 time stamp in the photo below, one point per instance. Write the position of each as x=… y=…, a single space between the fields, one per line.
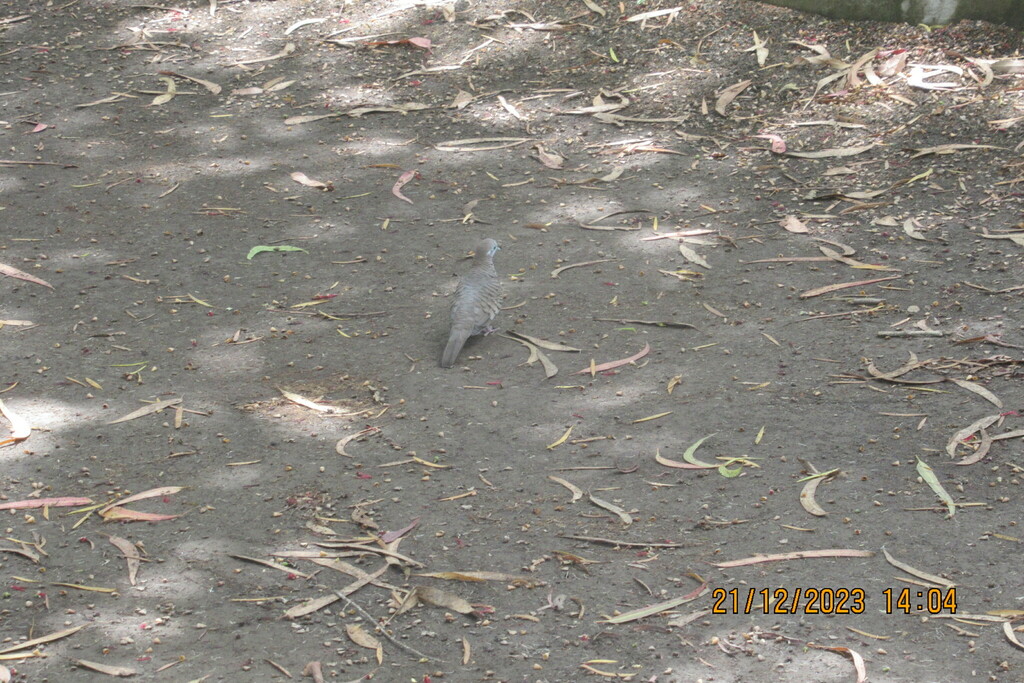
x=831 y=600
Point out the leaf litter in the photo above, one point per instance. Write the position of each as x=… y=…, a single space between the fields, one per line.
x=857 y=74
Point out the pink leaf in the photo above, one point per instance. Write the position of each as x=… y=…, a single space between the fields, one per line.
x=402 y=180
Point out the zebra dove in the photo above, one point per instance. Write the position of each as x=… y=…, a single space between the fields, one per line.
x=476 y=301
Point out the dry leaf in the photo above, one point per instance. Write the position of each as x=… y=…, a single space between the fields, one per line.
x=20 y=427
x=692 y=256
x=358 y=635
x=728 y=95
x=146 y=410
x=30 y=644
x=209 y=85
x=577 y=492
x=131 y=556
x=462 y=99
x=794 y=225
x=969 y=430
x=611 y=365
x=799 y=555
x=623 y=516
x=931 y=578
x=45 y=502
x=550 y=159
x=117 y=671
x=172 y=90
x=979 y=390
x=845 y=285
x=402 y=180
x=807 y=500
x=11 y=271
x=440 y=598
x=302 y=179
x=928 y=474
x=834 y=152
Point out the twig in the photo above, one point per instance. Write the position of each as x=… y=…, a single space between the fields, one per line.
x=369 y=618
x=706 y=35
x=834 y=315
x=910 y=333
x=630 y=544
x=15 y=162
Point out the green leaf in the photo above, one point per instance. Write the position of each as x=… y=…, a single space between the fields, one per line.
x=262 y=248
x=688 y=455
x=928 y=474
x=611 y=53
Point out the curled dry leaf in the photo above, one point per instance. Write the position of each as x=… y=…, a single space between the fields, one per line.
x=400 y=183
x=164 y=98
x=931 y=578
x=853 y=655
x=544 y=343
x=576 y=491
x=20 y=427
x=302 y=179
x=561 y=439
x=440 y=598
x=131 y=556
x=807 y=500
x=285 y=51
x=315 y=671
x=550 y=369
x=1011 y=636
x=969 y=430
x=661 y=460
x=299 y=24
x=558 y=271
x=979 y=390
x=339 y=447
x=794 y=225
x=552 y=160
x=623 y=516
x=778 y=144
x=982 y=450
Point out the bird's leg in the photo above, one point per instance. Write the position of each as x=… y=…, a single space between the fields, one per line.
x=489 y=330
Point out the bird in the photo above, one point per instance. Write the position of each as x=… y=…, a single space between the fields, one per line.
x=476 y=301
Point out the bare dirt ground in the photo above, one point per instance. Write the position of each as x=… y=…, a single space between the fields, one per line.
x=253 y=213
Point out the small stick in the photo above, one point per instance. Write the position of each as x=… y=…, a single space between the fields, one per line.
x=910 y=333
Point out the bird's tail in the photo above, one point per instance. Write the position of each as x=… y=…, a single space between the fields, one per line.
x=456 y=340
